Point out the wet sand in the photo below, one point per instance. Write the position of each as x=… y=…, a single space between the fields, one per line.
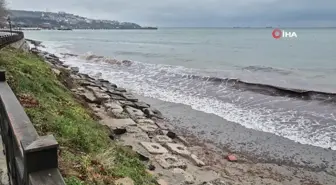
x=255 y=145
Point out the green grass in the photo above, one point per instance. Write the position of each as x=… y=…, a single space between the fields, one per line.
x=87 y=156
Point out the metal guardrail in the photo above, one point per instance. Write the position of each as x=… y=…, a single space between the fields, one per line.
x=11 y=37
x=31 y=159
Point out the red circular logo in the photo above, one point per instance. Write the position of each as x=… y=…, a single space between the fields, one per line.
x=277 y=33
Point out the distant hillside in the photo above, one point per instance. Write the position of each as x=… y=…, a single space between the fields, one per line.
x=52 y=20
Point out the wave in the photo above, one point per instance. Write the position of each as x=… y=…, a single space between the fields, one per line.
x=266 y=89
x=270 y=90
x=266 y=69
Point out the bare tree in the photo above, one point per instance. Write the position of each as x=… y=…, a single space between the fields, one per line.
x=3 y=12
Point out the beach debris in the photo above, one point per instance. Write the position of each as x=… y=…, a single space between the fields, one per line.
x=154 y=148
x=171 y=134
x=231 y=158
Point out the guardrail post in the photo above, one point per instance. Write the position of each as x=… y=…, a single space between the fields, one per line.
x=40 y=155
x=2 y=75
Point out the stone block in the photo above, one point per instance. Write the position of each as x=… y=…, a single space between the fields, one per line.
x=178 y=149
x=154 y=148
x=133 y=112
x=196 y=160
x=168 y=161
x=133 y=129
x=118 y=123
x=162 y=139
x=145 y=121
x=148 y=128
x=129 y=97
x=184 y=176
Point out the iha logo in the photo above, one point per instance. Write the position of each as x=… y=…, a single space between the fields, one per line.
x=277 y=34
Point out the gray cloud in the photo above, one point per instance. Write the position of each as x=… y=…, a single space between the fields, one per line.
x=196 y=12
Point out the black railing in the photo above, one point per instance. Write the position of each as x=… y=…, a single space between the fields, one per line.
x=11 y=37
x=31 y=159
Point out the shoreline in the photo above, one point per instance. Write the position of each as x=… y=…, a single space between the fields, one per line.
x=231 y=168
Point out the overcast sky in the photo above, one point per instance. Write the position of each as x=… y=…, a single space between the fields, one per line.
x=214 y=13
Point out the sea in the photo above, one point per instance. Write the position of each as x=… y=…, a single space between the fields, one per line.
x=281 y=86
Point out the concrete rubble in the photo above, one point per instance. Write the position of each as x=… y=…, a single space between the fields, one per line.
x=138 y=125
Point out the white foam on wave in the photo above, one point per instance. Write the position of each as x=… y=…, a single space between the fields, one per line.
x=259 y=118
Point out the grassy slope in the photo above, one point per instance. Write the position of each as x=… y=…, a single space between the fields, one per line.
x=87 y=156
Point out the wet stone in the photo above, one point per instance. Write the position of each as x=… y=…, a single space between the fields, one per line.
x=162 y=139
x=178 y=149
x=120 y=89
x=141 y=105
x=134 y=112
x=119 y=131
x=171 y=134
x=75 y=69
x=126 y=103
x=116 y=97
x=130 y=97
x=151 y=112
x=154 y=148
x=168 y=161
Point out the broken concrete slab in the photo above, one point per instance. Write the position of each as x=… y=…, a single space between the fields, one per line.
x=120 y=89
x=196 y=160
x=168 y=161
x=141 y=105
x=125 y=103
x=183 y=176
x=145 y=121
x=101 y=95
x=130 y=97
x=112 y=105
x=154 y=148
x=183 y=140
x=93 y=88
x=148 y=128
x=178 y=149
x=116 y=97
x=90 y=97
x=151 y=112
x=162 y=139
x=133 y=129
x=118 y=123
x=133 y=112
